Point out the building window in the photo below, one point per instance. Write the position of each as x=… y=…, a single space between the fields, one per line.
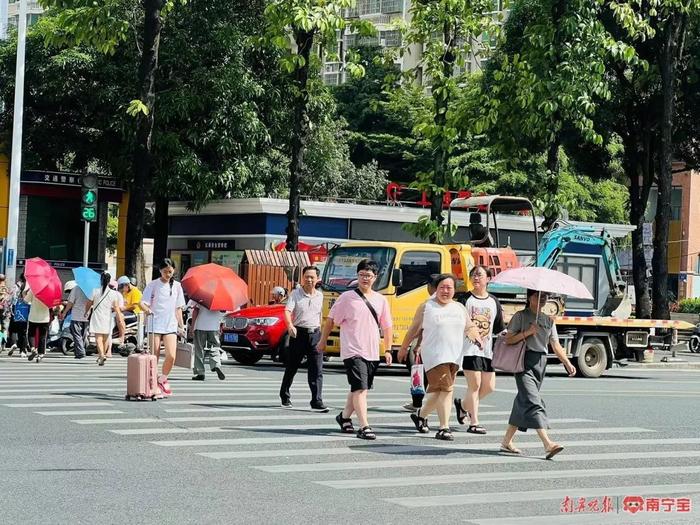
x=417 y=267
x=392 y=6
x=390 y=38
x=676 y=203
x=368 y=7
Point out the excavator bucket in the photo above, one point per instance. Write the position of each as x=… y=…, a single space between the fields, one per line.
x=618 y=306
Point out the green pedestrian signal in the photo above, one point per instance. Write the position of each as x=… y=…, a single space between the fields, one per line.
x=88 y=201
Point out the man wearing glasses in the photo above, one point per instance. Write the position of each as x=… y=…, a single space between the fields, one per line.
x=363 y=317
x=302 y=315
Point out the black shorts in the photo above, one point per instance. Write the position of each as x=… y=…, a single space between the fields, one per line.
x=360 y=373
x=477 y=363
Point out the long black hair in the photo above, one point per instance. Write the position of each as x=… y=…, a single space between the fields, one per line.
x=105 y=279
x=165 y=263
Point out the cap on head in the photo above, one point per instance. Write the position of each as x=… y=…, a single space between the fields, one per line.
x=122 y=281
x=278 y=290
x=69 y=286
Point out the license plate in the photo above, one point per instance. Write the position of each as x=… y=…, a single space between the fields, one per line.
x=230 y=338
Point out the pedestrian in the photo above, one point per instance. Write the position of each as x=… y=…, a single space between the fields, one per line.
x=207 y=326
x=537 y=330
x=277 y=295
x=302 y=315
x=364 y=319
x=164 y=299
x=410 y=355
x=104 y=303
x=77 y=307
x=486 y=313
x=444 y=324
x=38 y=328
x=132 y=295
x=5 y=310
x=20 y=318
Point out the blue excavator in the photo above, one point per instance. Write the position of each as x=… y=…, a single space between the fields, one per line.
x=553 y=243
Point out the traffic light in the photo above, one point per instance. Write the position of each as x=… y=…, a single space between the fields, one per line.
x=88 y=200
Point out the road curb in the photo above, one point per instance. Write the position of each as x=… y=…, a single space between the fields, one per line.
x=652 y=366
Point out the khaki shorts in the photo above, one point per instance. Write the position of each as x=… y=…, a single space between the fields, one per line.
x=441 y=378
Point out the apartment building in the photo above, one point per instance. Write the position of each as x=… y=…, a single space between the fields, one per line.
x=384 y=14
x=34 y=12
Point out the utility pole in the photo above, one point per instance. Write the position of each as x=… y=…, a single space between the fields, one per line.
x=16 y=162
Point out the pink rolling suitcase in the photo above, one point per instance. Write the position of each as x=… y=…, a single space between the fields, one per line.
x=142 y=375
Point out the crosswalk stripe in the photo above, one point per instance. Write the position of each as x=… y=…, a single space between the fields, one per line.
x=267 y=406
x=118 y=421
x=482 y=477
x=45 y=383
x=214 y=393
x=486 y=460
x=177 y=430
x=318 y=438
x=330 y=426
x=409 y=481
x=59 y=404
x=188 y=390
x=79 y=412
x=372 y=401
x=536 y=495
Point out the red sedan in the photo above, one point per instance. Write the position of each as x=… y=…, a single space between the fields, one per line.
x=251 y=333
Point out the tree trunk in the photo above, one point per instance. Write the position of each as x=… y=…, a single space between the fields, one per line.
x=668 y=59
x=142 y=160
x=440 y=143
x=301 y=135
x=551 y=183
x=639 y=196
x=160 y=234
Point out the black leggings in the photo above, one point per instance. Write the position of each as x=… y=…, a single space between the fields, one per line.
x=19 y=329
x=37 y=335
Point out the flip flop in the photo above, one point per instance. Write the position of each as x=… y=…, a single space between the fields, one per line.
x=476 y=429
x=510 y=449
x=553 y=451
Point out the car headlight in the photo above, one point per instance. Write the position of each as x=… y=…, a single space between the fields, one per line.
x=264 y=321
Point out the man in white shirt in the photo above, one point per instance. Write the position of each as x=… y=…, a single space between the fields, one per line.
x=207 y=326
x=77 y=301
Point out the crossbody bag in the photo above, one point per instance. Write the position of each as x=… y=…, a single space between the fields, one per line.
x=372 y=311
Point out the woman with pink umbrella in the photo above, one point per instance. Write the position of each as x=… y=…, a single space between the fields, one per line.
x=44 y=292
x=537 y=332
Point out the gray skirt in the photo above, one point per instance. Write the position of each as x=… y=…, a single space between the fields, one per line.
x=528 y=407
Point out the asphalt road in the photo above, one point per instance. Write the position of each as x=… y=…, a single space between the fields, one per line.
x=74 y=452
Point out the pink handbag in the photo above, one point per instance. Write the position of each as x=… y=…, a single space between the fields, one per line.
x=508 y=358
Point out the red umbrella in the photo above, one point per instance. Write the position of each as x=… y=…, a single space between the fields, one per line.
x=215 y=286
x=43 y=281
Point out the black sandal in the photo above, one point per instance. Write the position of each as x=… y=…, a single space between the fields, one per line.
x=461 y=413
x=366 y=433
x=345 y=424
x=444 y=434
x=421 y=423
x=476 y=429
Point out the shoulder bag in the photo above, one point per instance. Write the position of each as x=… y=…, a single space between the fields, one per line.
x=508 y=358
x=371 y=309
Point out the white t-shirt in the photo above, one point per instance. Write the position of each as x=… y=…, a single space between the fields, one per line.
x=486 y=314
x=443 y=333
x=163 y=300
x=39 y=312
x=78 y=299
x=207 y=320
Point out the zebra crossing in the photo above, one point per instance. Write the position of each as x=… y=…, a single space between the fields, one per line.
x=238 y=423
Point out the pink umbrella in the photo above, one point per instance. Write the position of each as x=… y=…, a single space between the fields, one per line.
x=543 y=280
x=43 y=281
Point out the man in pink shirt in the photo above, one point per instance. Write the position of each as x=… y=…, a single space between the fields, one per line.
x=359 y=313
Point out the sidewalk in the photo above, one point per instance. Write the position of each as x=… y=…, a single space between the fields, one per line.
x=690 y=361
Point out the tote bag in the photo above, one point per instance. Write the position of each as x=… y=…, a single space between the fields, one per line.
x=508 y=358
x=417 y=386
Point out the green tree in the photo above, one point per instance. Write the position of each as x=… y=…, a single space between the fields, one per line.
x=105 y=24
x=450 y=33
x=297 y=28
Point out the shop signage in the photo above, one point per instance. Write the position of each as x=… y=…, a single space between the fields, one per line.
x=68 y=264
x=215 y=244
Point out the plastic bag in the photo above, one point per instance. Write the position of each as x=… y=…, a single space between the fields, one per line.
x=417 y=385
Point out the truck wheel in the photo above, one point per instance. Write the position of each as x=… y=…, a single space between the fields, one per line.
x=592 y=360
x=247 y=358
x=695 y=344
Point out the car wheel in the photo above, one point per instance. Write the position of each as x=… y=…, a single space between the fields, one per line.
x=695 y=344
x=247 y=358
x=592 y=360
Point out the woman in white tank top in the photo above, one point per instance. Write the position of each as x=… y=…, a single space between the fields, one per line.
x=444 y=324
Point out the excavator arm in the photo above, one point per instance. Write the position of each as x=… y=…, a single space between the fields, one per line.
x=555 y=241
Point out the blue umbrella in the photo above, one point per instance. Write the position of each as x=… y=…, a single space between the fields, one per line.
x=87 y=279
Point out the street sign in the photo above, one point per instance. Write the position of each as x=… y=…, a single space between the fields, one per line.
x=88 y=201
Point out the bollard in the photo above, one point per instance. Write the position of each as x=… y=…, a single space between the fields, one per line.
x=648 y=355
